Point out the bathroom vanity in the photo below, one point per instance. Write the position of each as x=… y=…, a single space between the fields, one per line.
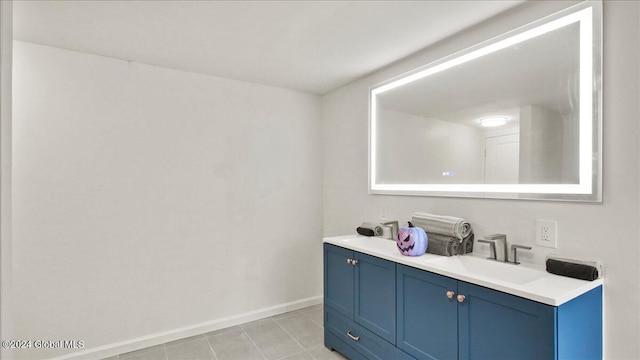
x=379 y=304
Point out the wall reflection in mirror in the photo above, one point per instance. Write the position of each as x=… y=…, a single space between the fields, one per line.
x=511 y=113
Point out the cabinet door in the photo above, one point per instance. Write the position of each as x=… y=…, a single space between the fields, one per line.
x=427 y=318
x=338 y=279
x=495 y=325
x=375 y=298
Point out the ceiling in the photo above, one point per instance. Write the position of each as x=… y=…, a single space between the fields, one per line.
x=309 y=46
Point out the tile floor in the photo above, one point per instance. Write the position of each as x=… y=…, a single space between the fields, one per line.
x=296 y=335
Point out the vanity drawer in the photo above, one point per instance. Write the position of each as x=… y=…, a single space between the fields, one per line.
x=365 y=342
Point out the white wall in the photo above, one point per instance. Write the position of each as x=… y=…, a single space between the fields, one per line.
x=6 y=39
x=607 y=231
x=148 y=200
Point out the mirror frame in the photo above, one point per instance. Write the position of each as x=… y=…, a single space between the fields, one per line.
x=589 y=15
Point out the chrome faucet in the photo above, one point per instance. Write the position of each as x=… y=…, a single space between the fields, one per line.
x=492 y=248
x=514 y=249
x=493 y=240
x=503 y=254
x=394 y=226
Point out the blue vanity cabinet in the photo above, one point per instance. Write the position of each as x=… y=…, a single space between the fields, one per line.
x=338 y=280
x=443 y=318
x=359 y=302
x=427 y=318
x=495 y=325
x=377 y=309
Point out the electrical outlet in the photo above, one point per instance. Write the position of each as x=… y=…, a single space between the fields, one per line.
x=547 y=233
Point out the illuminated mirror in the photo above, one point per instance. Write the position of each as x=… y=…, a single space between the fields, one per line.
x=518 y=116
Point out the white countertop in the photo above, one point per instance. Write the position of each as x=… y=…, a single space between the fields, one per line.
x=520 y=280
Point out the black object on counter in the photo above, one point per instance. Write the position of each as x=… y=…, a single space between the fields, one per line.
x=365 y=231
x=577 y=271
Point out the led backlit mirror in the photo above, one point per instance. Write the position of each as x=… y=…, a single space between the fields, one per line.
x=518 y=116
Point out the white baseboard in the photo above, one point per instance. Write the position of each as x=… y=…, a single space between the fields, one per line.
x=142 y=342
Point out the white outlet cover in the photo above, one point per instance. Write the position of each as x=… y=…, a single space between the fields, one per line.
x=547 y=233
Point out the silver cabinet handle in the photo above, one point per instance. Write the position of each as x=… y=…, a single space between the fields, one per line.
x=461 y=298
x=349 y=261
x=354 y=261
x=354 y=338
x=450 y=294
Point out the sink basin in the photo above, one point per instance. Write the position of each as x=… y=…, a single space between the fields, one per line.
x=514 y=274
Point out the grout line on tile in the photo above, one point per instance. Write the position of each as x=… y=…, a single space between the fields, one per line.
x=310 y=354
x=211 y=347
x=291 y=336
x=254 y=344
x=313 y=320
x=166 y=355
